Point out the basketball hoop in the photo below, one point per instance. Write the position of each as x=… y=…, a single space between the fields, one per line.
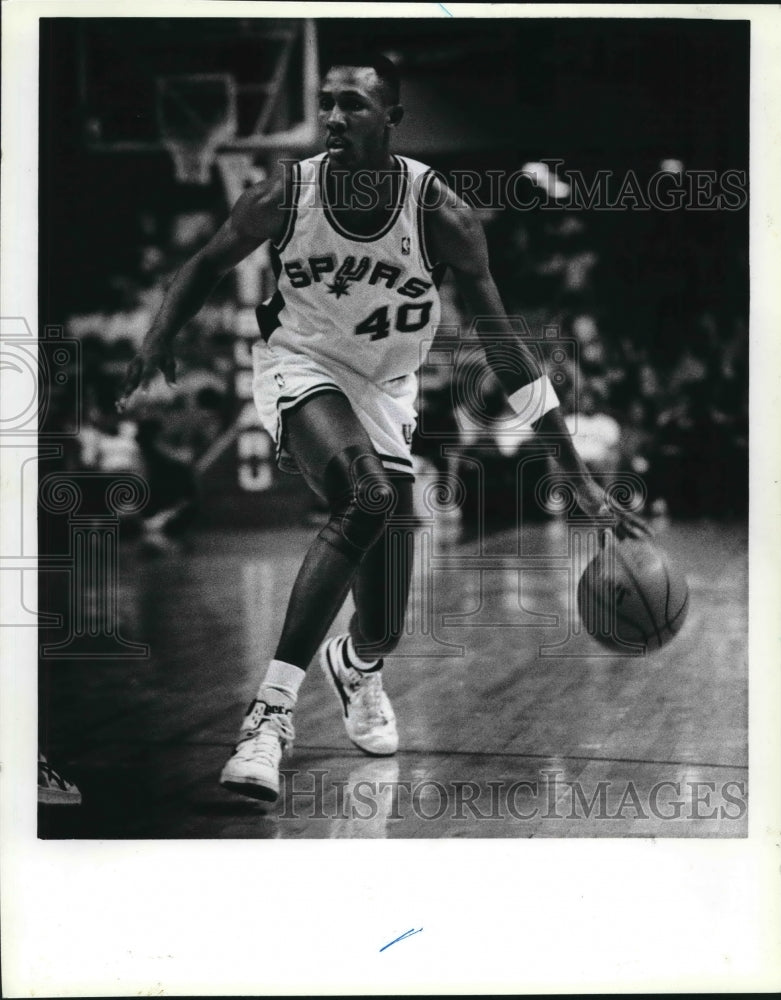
x=192 y=161
x=196 y=114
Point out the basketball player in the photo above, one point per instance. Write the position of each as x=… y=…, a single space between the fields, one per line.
x=358 y=239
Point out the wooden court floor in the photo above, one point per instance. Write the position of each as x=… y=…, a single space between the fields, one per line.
x=511 y=723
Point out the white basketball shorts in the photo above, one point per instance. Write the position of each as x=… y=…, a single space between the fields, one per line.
x=282 y=381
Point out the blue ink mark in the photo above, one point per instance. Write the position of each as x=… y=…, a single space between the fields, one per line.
x=449 y=15
x=406 y=934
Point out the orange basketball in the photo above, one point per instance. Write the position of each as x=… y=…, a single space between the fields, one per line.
x=632 y=598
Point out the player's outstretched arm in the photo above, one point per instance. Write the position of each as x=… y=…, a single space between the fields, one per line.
x=256 y=217
x=456 y=238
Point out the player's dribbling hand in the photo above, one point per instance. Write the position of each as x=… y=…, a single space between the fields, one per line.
x=623 y=523
x=626 y=524
x=142 y=369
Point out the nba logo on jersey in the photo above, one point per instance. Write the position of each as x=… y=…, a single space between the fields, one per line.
x=279 y=380
x=406 y=430
x=405 y=245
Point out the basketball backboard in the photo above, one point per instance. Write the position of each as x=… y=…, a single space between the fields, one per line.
x=196 y=86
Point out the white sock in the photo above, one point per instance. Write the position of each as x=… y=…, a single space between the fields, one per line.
x=352 y=658
x=281 y=683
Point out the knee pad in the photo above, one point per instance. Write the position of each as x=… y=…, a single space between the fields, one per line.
x=361 y=496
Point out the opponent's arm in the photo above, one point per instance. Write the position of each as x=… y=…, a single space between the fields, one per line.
x=456 y=239
x=256 y=217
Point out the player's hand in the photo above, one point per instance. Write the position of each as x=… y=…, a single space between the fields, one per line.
x=623 y=523
x=143 y=368
x=629 y=525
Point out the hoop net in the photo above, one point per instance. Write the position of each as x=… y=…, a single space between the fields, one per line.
x=196 y=114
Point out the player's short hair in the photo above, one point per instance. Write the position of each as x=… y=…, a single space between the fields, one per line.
x=386 y=70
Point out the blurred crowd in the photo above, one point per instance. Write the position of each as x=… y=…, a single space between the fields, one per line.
x=652 y=307
x=650 y=310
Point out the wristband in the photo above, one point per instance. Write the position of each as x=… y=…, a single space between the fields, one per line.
x=534 y=400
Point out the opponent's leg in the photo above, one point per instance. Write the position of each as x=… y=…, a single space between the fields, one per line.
x=353 y=662
x=338 y=460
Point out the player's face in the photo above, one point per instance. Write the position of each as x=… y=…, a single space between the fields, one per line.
x=355 y=116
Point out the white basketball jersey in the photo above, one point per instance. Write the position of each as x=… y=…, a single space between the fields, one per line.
x=365 y=302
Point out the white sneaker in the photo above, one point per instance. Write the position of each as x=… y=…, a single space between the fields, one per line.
x=253 y=769
x=368 y=715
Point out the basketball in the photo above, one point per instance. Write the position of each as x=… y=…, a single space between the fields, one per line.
x=632 y=598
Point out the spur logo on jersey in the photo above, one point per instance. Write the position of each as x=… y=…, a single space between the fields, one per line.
x=339 y=277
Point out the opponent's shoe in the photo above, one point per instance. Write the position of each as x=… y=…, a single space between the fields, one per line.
x=368 y=715
x=253 y=769
x=53 y=788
